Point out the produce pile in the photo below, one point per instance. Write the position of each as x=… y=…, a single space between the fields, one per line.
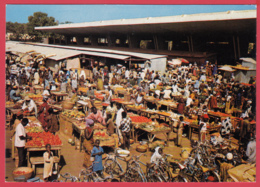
x=36 y=97
x=99 y=96
x=101 y=134
x=117 y=99
x=153 y=127
x=73 y=114
x=219 y=114
x=140 y=119
x=21 y=172
x=33 y=127
x=43 y=138
x=136 y=107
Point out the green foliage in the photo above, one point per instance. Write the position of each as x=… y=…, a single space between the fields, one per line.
x=17 y=29
x=40 y=19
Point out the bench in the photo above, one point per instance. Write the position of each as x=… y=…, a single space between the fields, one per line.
x=40 y=160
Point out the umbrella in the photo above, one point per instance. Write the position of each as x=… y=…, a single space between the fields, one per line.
x=184 y=60
x=174 y=62
x=227 y=68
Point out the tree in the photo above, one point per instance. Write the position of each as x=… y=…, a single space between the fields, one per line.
x=18 y=29
x=40 y=19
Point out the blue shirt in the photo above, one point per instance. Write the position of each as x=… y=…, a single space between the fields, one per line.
x=97 y=164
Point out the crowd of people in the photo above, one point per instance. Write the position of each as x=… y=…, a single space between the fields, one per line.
x=201 y=88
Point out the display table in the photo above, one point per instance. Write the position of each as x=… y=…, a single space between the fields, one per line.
x=79 y=127
x=169 y=104
x=38 y=88
x=32 y=148
x=56 y=95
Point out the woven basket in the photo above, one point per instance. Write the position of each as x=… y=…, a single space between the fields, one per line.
x=141 y=148
x=67 y=105
x=28 y=172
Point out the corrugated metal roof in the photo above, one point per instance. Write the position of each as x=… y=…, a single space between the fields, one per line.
x=60 y=53
x=117 y=52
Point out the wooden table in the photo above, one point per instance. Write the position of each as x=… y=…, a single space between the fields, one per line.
x=152 y=134
x=38 y=88
x=84 y=105
x=169 y=104
x=209 y=130
x=79 y=127
x=59 y=94
x=32 y=148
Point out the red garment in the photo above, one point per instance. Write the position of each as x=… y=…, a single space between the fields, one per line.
x=180 y=108
x=213 y=102
x=43 y=115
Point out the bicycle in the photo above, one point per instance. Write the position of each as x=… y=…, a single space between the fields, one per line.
x=67 y=177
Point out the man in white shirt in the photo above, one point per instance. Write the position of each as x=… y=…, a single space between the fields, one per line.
x=189 y=101
x=20 y=140
x=119 y=118
x=29 y=105
x=127 y=73
x=167 y=93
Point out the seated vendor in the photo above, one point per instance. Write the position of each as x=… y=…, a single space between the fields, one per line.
x=139 y=98
x=13 y=95
x=94 y=116
x=29 y=105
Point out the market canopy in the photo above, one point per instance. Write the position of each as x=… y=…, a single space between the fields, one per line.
x=226 y=68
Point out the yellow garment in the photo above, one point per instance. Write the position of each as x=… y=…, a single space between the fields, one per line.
x=224 y=167
x=48 y=164
x=87 y=144
x=100 y=84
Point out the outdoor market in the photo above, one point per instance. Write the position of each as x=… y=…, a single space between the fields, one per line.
x=189 y=123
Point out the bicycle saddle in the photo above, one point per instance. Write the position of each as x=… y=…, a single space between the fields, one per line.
x=127 y=159
x=204 y=169
x=150 y=165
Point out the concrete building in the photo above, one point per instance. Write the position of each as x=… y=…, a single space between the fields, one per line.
x=223 y=36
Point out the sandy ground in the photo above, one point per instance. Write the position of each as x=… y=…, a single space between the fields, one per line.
x=72 y=159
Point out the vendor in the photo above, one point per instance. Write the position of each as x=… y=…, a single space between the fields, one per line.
x=43 y=113
x=13 y=95
x=94 y=116
x=203 y=127
x=125 y=127
x=52 y=121
x=29 y=105
x=20 y=140
x=180 y=127
x=139 y=98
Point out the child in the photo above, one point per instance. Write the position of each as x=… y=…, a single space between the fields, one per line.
x=48 y=163
x=179 y=132
x=157 y=155
x=97 y=152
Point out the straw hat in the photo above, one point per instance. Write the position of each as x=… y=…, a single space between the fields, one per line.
x=27 y=98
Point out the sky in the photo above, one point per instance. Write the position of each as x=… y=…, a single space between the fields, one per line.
x=88 y=13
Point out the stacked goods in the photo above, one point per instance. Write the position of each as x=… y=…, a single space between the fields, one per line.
x=136 y=107
x=101 y=134
x=37 y=97
x=43 y=138
x=9 y=103
x=83 y=89
x=99 y=96
x=73 y=114
x=154 y=127
x=219 y=114
x=164 y=113
x=33 y=127
x=140 y=119
x=117 y=99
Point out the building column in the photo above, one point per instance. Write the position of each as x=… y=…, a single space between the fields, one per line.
x=67 y=40
x=94 y=40
x=133 y=41
x=80 y=40
x=111 y=41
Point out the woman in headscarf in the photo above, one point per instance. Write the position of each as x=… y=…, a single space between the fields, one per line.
x=36 y=78
x=157 y=155
x=43 y=113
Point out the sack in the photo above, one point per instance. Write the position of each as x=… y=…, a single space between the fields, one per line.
x=92 y=159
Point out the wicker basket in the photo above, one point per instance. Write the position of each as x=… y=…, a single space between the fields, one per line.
x=28 y=172
x=67 y=105
x=141 y=148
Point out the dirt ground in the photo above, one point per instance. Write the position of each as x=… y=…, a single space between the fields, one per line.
x=72 y=159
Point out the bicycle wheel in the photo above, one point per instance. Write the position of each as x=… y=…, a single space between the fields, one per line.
x=153 y=178
x=180 y=178
x=82 y=176
x=137 y=177
x=111 y=166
